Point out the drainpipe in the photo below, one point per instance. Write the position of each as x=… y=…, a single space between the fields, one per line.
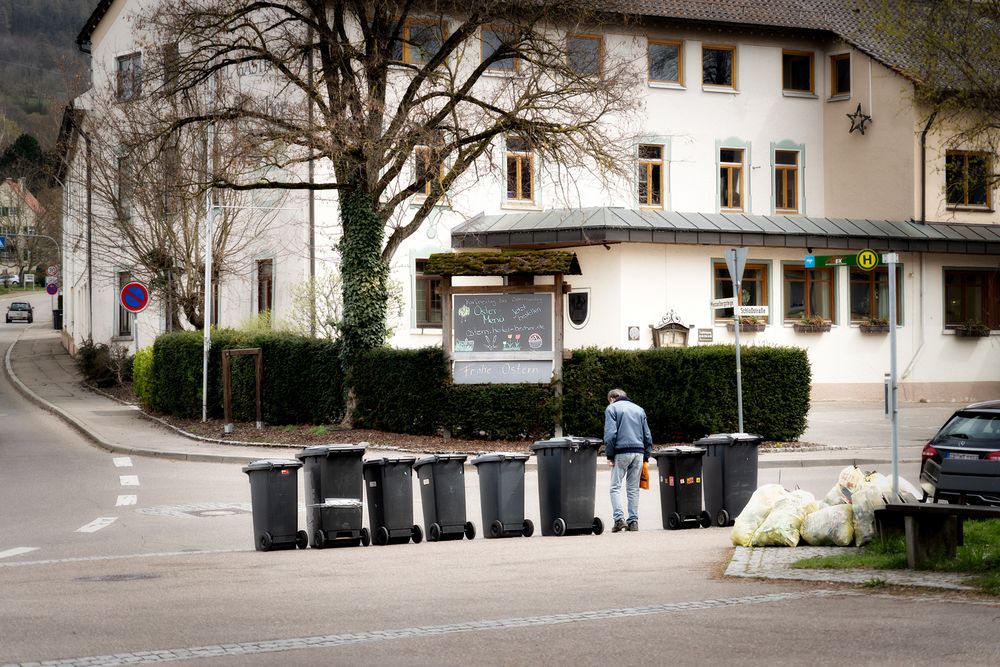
x=923 y=168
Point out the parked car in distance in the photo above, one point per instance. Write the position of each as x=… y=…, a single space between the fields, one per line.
x=11 y=280
x=972 y=433
x=20 y=311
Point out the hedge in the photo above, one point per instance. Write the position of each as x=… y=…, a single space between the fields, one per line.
x=687 y=392
x=690 y=392
x=303 y=382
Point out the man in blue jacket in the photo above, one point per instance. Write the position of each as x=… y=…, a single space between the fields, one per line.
x=627 y=444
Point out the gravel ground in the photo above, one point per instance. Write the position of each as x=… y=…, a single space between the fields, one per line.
x=301 y=435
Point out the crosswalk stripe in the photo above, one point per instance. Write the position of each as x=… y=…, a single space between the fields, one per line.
x=17 y=551
x=123 y=461
x=97 y=524
x=126 y=500
x=129 y=480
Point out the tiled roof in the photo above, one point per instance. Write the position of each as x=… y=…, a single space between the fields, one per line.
x=591 y=226
x=24 y=195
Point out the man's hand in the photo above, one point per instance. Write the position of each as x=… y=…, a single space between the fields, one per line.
x=611 y=462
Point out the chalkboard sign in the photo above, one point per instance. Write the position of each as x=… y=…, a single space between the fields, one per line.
x=502 y=323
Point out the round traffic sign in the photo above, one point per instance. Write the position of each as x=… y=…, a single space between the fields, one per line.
x=867 y=259
x=52 y=270
x=52 y=289
x=134 y=297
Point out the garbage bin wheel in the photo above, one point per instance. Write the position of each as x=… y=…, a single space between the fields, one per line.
x=529 y=528
x=705 y=519
x=266 y=541
x=470 y=530
x=559 y=527
x=319 y=539
x=433 y=532
x=722 y=518
x=496 y=528
x=302 y=539
x=417 y=535
x=366 y=537
x=598 y=526
x=381 y=536
x=674 y=521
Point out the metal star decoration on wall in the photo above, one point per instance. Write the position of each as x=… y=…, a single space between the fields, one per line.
x=858 y=120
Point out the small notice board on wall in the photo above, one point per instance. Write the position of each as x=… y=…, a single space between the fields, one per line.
x=502 y=338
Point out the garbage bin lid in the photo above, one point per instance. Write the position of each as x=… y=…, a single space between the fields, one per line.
x=371 y=463
x=435 y=458
x=679 y=450
x=500 y=456
x=728 y=439
x=566 y=442
x=329 y=450
x=271 y=464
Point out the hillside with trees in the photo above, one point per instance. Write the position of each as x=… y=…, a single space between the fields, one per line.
x=41 y=68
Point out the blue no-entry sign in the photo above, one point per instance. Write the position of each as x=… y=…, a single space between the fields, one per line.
x=134 y=297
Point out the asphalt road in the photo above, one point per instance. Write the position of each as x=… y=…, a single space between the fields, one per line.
x=171 y=574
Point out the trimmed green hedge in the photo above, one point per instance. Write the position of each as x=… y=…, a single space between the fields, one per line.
x=690 y=392
x=687 y=392
x=303 y=382
x=142 y=376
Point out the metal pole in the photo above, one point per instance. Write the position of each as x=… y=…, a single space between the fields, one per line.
x=738 y=301
x=891 y=259
x=209 y=232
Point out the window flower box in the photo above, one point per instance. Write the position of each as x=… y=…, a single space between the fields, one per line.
x=874 y=326
x=972 y=329
x=746 y=326
x=811 y=325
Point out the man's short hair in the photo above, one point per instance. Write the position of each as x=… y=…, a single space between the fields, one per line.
x=615 y=394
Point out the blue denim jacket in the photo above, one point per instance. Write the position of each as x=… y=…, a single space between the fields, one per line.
x=626 y=430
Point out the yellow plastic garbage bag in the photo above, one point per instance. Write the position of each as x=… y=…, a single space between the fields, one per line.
x=782 y=525
x=829 y=526
x=756 y=510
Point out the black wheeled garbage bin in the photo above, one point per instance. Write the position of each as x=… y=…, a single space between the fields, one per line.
x=390 y=501
x=57 y=319
x=501 y=495
x=567 y=481
x=679 y=470
x=274 y=499
x=442 y=494
x=730 y=467
x=334 y=487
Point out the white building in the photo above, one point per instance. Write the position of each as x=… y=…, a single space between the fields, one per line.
x=787 y=130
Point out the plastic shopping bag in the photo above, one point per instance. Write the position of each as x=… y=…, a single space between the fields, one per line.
x=644 y=476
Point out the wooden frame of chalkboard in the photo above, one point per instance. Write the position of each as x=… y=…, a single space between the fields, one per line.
x=504 y=334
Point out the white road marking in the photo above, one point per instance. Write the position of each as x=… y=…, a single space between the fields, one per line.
x=129 y=480
x=97 y=524
x=17 y=551
x=94 y=559
x=126 y=500
x=123 y=461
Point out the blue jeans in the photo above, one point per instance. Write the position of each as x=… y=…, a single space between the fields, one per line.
x=628 y=466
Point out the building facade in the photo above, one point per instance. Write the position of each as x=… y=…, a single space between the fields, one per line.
x=791 y=133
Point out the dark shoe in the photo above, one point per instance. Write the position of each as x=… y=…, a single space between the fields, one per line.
x=634 y=526
x=619 y=526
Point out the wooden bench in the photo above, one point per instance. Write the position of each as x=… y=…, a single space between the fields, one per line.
x=932 y=530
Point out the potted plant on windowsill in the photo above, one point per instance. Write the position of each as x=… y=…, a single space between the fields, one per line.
x=972 y=329
x=748 y=323
x=875 y=325
x=813 y=324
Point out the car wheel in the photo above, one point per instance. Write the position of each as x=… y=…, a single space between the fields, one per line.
x=30 y=319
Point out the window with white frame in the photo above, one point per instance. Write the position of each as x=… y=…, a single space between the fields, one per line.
x=129 y=77
x=124 y=319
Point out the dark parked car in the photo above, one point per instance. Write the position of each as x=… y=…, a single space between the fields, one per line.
x=20 y=311
x=972 y=433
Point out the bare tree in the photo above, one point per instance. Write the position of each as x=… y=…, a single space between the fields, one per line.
x=951 y=50
x=152 y=200
x=357 y=86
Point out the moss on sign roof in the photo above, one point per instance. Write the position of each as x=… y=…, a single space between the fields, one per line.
x=534 y=262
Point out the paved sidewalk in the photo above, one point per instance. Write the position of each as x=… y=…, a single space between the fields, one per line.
x=846 y=433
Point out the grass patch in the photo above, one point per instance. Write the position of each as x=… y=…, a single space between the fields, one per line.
x=979 y=556
x=318 y=430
